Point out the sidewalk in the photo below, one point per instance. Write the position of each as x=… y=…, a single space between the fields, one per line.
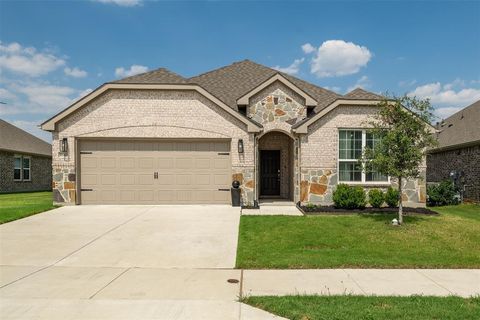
x=380 y=282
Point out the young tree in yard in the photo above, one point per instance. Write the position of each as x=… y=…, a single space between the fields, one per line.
x=402 y=126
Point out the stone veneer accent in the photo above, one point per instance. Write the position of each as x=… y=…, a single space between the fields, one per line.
x=276 y=104
x=246 y=176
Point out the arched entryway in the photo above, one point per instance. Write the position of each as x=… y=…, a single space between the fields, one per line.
x=276 y=166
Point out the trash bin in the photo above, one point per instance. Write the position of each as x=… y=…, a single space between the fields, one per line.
x=235 y=190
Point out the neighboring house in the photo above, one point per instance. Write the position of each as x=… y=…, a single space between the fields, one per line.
x=458 y=151
x=25 y=161
x=160 y=138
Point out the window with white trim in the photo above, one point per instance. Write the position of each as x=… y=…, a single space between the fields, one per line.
x=21 y=168
x=26 y=168
x=351 y=143
x=17 y=168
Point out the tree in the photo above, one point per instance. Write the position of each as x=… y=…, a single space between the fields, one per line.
x=403 y=127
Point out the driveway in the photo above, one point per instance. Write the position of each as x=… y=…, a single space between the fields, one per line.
x=123 y=262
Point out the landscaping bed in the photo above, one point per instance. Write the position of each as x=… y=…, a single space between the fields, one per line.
x=317 y=210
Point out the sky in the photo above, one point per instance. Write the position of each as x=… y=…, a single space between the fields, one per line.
x=54 y=52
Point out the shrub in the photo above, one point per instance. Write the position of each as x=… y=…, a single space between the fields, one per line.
x=442 y=194
x=391 y=197
x=347 y=197
x=376 y=198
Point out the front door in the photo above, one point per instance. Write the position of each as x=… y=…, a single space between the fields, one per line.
x=270 y=172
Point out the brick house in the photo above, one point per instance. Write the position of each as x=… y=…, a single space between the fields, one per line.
x=160 y=138
x=458 y=150
x=25 y=161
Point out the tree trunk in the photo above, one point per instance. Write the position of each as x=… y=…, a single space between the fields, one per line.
x=400 y=205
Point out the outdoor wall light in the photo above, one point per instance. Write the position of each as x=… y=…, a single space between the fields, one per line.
x=64 y=145
x=240 y=146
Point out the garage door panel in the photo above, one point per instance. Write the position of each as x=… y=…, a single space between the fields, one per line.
x=127 y=179
x=123 y=171
x=108 y=179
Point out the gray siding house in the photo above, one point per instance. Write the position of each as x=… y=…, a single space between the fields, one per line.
x=25 y=161
x=458 y=151
x=160 y=138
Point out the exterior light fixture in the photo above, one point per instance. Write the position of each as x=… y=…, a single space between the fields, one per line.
x=240 y=146
x=64 y=145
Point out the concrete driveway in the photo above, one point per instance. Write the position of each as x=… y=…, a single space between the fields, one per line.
x=123 y=262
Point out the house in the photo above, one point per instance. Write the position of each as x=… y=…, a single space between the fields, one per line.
x=458 y=151
x=159 y=138
x=25 y=161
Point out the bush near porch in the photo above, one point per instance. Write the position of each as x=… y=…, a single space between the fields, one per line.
x=448 y=240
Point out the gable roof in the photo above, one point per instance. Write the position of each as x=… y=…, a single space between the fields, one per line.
x=157 y=76
x=234 y=81
x=17 y=140
x=360 y=94
x=225 y=85
x=460 y=128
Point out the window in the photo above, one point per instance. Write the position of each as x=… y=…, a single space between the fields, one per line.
x=350 y=146
x=17 y=170
x=26 y=168
x=22 y=168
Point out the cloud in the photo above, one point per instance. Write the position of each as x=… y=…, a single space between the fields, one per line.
x=75 y=72
x=446 y=98
x=291 y=69
x=50 y=97
x=27 y=60
x=338 y=58
x=122 y=3
x=334 y=88
x=308 y=48
x=6 y=95
x=134 y=69
x=407 y=83
x=363 y=82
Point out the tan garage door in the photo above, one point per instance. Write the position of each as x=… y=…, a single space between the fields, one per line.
x=154 y=172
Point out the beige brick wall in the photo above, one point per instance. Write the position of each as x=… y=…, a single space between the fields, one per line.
x=319 y=155
x=147 y=114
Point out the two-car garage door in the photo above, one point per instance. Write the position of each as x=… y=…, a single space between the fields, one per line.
x=154 y=171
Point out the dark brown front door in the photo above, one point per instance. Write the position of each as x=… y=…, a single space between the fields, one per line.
x=270 y=172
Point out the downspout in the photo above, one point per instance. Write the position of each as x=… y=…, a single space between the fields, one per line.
x=255 y=177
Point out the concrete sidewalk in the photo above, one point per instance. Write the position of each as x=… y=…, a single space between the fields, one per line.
x=380 y=282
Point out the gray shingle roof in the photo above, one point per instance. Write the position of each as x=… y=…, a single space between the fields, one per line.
x=158 y=76
x=460 y=128
x=231 y=82
x=361 y=94
x=16 y=140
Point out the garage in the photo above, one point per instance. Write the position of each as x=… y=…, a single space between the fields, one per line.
x=154 y=171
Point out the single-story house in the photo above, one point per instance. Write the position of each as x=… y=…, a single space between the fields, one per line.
x=25 y=161
x=160 y=138
x=458 y=152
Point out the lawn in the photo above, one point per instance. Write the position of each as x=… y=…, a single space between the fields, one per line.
x=372 y=308
x=20 y=205
x=448 y=240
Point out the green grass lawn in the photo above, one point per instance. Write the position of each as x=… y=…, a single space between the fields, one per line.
x=371 y=308
x=449 y=240
x=20 y=205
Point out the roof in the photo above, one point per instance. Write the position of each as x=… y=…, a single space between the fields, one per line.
x=159 y=76
x=16 y=140
x=460 y=128
x=226 y=84
x=360 y=94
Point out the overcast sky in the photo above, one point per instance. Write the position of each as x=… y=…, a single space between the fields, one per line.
x=52 y=53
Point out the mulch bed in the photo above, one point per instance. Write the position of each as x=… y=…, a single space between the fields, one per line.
x=318 y=210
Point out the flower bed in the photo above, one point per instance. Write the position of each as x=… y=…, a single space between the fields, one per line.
x=317 y=210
